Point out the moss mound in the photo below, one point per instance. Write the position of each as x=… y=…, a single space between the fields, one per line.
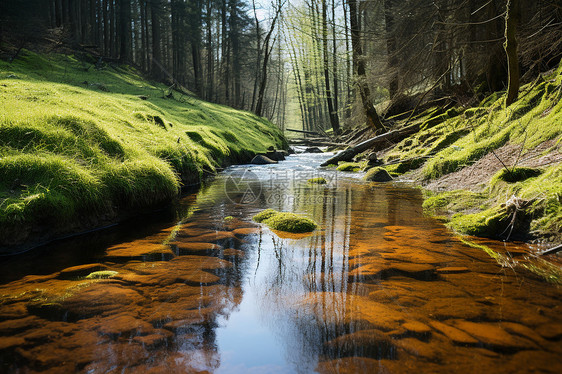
x=517 y=174
x=265 y=214
x=377 y=175
x=319 y=180
x=284 y=221
x=349 y=166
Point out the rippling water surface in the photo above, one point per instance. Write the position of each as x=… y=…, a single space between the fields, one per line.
x=200 y=287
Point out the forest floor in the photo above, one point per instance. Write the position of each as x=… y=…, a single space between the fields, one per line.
x=490 y=171
x=85 y=143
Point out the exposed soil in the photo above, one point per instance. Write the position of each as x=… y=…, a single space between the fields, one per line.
x=476 y=176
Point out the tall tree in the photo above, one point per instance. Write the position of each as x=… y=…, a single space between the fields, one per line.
x=329 y=99
x=512 y=19
x=373 y=119
x=125 y=50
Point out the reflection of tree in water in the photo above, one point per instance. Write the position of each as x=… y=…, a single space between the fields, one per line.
x=309 y=298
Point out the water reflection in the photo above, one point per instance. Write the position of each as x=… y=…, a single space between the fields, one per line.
x=378 y=287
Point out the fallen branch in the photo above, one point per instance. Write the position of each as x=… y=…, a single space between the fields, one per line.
x=552 y=250
x=383 y=139
x=305 y=132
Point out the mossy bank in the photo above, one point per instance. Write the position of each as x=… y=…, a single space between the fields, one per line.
x=83 y=143
x=493 y=171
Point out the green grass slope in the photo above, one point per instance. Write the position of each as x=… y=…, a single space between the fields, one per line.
x=523 y=201
x=80 y=144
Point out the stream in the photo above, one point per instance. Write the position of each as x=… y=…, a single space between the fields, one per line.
x=199 y=287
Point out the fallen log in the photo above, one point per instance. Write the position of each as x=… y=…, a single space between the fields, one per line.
x=305 y=132
x=383 y=139
x=552 y=250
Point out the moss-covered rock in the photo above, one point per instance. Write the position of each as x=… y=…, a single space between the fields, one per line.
x=265 y=214
x=319 y=180
x=377 y=175
x=285 y=221
x=103 y=274
x=349 y=166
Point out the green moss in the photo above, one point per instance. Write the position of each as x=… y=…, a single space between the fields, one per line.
x=104 y=274
x=516 y=174
x=453 y=201
x=349 y=166
x=319 y=180
x=69 y=149
x=265 y=214
x=489 y=223
x=284 y=221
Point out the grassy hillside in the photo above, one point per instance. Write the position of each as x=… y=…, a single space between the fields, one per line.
x=494 y=171
x=80 y=143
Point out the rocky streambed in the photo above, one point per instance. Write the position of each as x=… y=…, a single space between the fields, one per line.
x=377 y=287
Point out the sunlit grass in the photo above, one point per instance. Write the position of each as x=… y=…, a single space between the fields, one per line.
x=77 y=141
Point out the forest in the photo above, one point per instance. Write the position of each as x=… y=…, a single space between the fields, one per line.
x=323 y=63
x=280 y=186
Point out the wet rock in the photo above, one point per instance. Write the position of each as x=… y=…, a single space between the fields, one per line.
x=455 y=307
x=124 y=324
x=160 y=337
x=377 y=269
x=418 y=348
x=453 y=270
x=524 y=331
x=550 y=331
x=192 y=231
x=262 y=160
x=231 y=252
x=417 y=328
x=10 y=342
x=370 y=343
x=313 y=150
x=12 y=327
x=456 y=335
x=377 y=174
x=139 y=251
x=189 y=269
x=353 y=365
x=492 y=335
x=210 y=237
x=13 y=311
x=275 y=155
x=355 y=310
x=194 y=247
x=80 y=271
x=246 y=231
x=98 y=298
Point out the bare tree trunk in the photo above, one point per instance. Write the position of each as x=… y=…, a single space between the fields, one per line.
x=155 y=15
x=329 y=100
x=373 y=119
x=125 y=53
x=512 y=19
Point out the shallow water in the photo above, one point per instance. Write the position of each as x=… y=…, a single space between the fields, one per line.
x=378 y=287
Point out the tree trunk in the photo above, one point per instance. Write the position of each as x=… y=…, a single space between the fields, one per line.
x=329 y=100
x=156 y=62
x=512 y=19
x=373 y=119
x=125 y=54
x=390 y=48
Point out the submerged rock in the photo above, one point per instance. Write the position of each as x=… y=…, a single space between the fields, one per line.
x=313 y=150
x=262 y=160
x=80 y=270
x=377 y=175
